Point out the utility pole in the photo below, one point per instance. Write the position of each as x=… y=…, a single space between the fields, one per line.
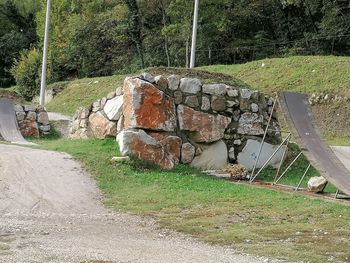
x=44 y=64
x=194 y=34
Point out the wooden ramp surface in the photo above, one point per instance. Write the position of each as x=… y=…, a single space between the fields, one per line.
x=9 y=130
x=298 y=114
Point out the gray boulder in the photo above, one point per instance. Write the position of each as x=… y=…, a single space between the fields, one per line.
x=215 y=89
x=190 y=85
x=43 y=118
x=316 y=184
x=114 y=108
x=174 y=82
x=213 y=156
x=250 y=153
x=250 y=124
x=187 y=152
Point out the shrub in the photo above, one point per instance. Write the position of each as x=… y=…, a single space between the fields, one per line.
x=26 y=72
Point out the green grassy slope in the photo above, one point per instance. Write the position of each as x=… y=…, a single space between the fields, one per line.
x=251 y=219
x=83 y=92
x=305 y=74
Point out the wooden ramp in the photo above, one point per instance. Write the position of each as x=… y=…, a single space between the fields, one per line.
x=9 y=130
x=298 y=114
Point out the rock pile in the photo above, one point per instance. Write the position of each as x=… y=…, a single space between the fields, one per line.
x=32 y=121
x=100 y=120
x=324 y=98
x=170 y=120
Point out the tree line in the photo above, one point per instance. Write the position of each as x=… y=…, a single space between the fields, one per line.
x=103 y=37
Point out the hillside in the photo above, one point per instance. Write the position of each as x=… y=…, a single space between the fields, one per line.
x=305 y=74
x=83 y=92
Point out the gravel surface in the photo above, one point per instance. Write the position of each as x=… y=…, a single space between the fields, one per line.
x=50 y=211
x=55 y=116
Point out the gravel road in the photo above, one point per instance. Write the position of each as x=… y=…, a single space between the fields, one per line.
x=50 y=211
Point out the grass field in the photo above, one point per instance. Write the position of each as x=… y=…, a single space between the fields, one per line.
x=83 y=92
x=251 y=219
x=305 y=74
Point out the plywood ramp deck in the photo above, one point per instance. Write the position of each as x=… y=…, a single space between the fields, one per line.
x=299 y=117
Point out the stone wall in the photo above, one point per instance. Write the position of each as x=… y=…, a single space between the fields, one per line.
x=171 y=120
x=32 y=121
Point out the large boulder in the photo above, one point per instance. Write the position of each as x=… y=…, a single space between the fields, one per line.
x=100 y=127
x=43 y=118
x=172 y=144
x=213 y=156
x=250 y=124
x=316 y=184
x=139 y=145
x=146 y=107
x=202 y=127
x=250 y=153
x=29 y=128
x=114 y=108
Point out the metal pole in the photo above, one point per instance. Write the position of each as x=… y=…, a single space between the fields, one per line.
x=302 y=178
x=282 y=160
x=268 y=160
x=44 y=65
x=194 y=34
x=336 y=194
x=296 y=158
x=263 y=139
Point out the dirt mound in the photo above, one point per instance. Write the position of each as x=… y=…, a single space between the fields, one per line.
x=206 y=76
x=333 y=119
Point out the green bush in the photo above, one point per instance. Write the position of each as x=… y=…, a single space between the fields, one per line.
x=26 y=72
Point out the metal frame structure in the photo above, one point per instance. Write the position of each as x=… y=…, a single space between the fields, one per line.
x=278 y=177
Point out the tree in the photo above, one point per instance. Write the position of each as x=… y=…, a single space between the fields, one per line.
x=134 y=28
x=17 y=32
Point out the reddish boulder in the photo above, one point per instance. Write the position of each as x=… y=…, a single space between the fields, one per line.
x=29 y=128
x=172 y=144
x=203 y=127
x=100 y=127
x=141 y=146
x=146 y=107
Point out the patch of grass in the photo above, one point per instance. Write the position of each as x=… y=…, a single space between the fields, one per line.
x=83 y=92
x=261 y=221
x=304 y=74
x=294 y=175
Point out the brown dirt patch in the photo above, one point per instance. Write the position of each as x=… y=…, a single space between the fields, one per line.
x=333 y=119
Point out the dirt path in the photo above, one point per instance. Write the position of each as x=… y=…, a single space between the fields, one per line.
x=50 y=211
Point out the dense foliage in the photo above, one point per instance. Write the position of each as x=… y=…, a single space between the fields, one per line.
x=96 y=38
x=17 y=32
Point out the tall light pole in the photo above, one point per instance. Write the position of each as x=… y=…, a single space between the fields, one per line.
x=194 y=34
x=44 y=65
